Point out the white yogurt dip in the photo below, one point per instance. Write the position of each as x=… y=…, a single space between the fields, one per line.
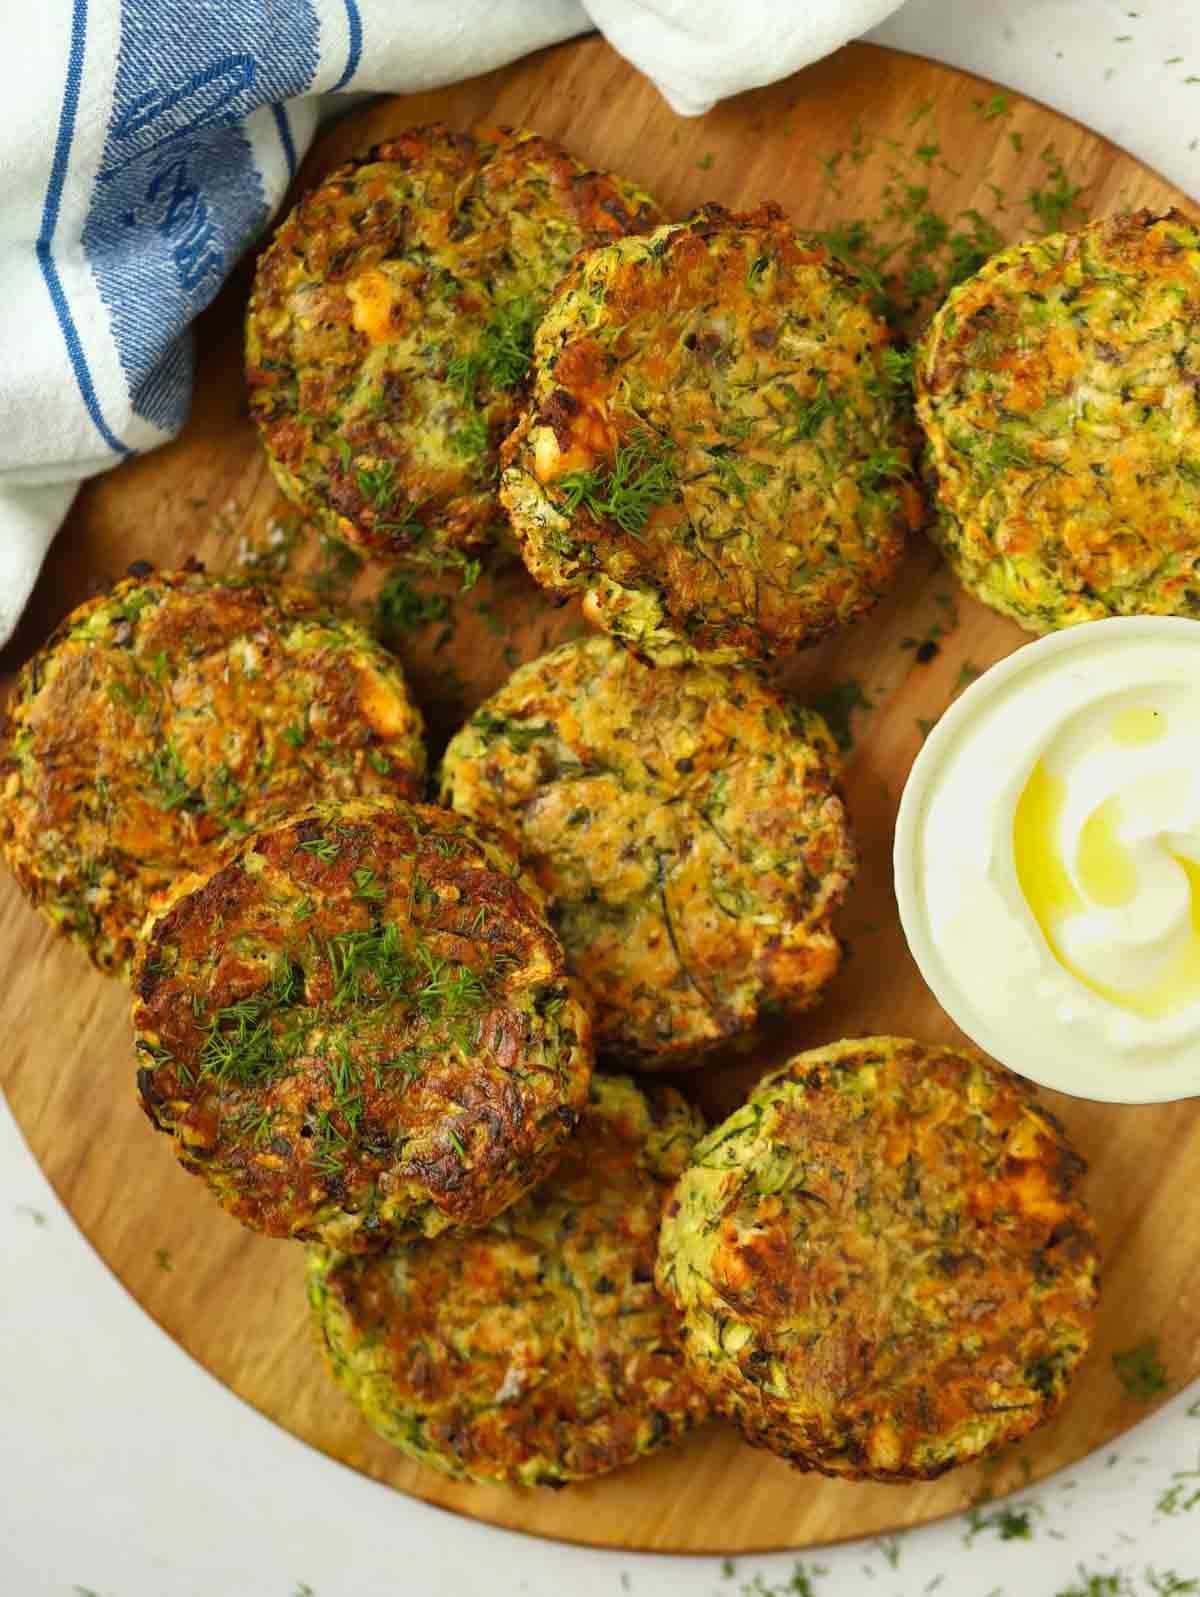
x=1048 y=860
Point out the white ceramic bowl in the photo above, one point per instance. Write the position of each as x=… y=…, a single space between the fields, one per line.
x=1084 y=1076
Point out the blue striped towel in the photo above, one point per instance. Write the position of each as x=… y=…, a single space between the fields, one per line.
x=147 y=142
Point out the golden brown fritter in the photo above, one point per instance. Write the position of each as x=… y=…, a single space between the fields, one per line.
x=358 y=1029
x=685 y=825
x=388 y=339
x=176 y=713
x=1057 y=388
x=537 y=1351
x=716 y=450
x=882 y=1264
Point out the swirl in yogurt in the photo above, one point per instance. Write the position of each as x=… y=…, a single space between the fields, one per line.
x=1106 y=846
x=1048 y=860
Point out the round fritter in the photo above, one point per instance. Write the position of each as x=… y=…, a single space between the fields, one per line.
x=882 y=1265
x=716 y=450
x=390 y=326
x=359 y=1029
x=174 y=714
x=537 y=1351
x=685 y=825
x=1058 y=392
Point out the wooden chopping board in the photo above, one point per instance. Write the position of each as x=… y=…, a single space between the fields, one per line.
x=235 y=1301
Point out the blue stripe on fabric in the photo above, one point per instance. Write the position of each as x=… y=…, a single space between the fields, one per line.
x=354 y=21
x=45 y=240
x=285 y=137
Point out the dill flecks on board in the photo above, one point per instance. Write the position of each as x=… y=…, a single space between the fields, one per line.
x=401 y=609
x=798 y=1584
x=912 y=252
x=1010 y=1524
x=837 y=706
x=1141 y=1372
x=1183 y=1495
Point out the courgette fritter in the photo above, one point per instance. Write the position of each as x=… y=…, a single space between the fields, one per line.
x=686 y=827
x=537 y=1351
x=882 y=1263
x=175 y=713
x=358 y=1029
x=388 y=338
x=716 y=451
x=1057 y=389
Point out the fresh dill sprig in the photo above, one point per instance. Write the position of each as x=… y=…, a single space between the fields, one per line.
x=326 y=849
x=1057 y=199
x=171 y=779
x=379 y=487
x=366 y=887
x=501 y=357
x=241 y=1045
x=642 y=477
x=377 y=483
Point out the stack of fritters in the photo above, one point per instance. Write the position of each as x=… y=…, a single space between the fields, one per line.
x=391 y=321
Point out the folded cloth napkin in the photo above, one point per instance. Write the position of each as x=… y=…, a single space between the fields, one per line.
x=147 y=142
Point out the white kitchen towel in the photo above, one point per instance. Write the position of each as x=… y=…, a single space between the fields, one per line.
x=147 y=142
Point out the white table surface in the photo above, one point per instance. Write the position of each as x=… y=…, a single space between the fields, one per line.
x=127 y=1471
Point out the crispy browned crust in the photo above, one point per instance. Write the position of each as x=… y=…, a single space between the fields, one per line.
x=686 y=826
x=376 y=289
x=882 y=1261
x=173 y=714
x=736 y=356
x=536 y=1351
x=359 y=1027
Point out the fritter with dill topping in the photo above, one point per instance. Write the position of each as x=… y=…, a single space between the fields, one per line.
x=358 y=1029
x=175 y=713
x=685 y=825
x=536 y=1351
x=716 y=450
x=390 y=326
x=883 y=1266
x=1057 y=389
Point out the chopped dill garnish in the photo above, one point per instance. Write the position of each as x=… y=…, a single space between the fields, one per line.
x=326 y=849
x=998 y=105
x=1169 y=1584
x=837 y=706
x=471 y=438
x=521 y=735
x=170 y=778
x=1057 y=199
x=888 y=1548
x=365 y=885
x=501 y=357
x=377 y=483
x=401 y=609
x=240 y=1045
x=1010 y=1524
x=1141 y=1372
x=641 y=478
x=372 y=966
x=1183 y=1496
